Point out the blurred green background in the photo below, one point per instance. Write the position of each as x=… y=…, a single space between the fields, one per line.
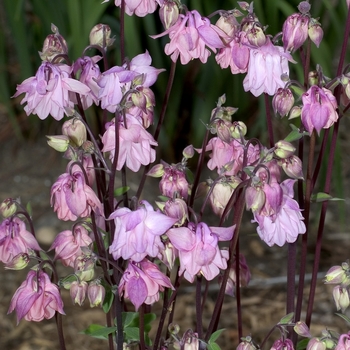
x=25 y=24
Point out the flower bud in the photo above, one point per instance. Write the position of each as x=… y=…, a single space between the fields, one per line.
x=255 y=198
x=174 y=182
x=168 y=255
x=341 y=298
x=54 y=44
x=238 y=130
x=304 y=7
x=295 y=112
x=177 y=209
x=100 y=35
x=78 y=292
x=283 y=101
x=280 y=344
x=75 y=130
x=256 y=36
x=229 y=24
x=246 y=344
x=96 y=293
x=19 y=262
x=315 y=32
x=7 y=208
x=188 y=152
x=302 y=329
x=316 y=344
x=284 y=149
x=295 y=31
x=223 y=130
x=169 y=13
x=84 y=267
x=313 y=78
x=293 y=167
x=156 y=171
x=335 y=275
x=59 y=143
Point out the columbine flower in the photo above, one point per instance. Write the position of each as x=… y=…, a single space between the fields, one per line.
x=48 y=92
x=67 y=244
x=283 y=101
x=282 y=344
x=343 y=342
x=78 y=291
x=266 y=65
x=198 y=249
x=134 y=144
x=71 y=197
x=190 y=36
x=282 y=222
x=174 y=182
x=37 y=298
x=96 y=293
x=90 y=72
x=142 y=282
x=138 y=232
x=15 y=239
x=319 y=109
x=139 y=7
x=295 y=31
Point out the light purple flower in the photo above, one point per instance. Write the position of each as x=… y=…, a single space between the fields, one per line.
x=90 y=72
x=71 y=197
x=141 y=283
x=67 y=244
x=48 y=92
x=343 y=342
x=37 y=298
x=139 y=7
x=137 y=233
x=295 y=31
x=199 y=252
x=191 y=36
x=282 y=344
x=319 y=109
x=134 y=144
x=15 y=239
x=285 y=223
x=266 y=65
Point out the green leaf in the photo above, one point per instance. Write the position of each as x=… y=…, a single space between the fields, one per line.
x=322 y=197
x=294 y=136
x=132 y=333
x=286 y=319
x=216 y=335
x=121 y=190
x=29 y=209
x=108 y=300
x=98 y=331
x=302 y=344
x=345 y=318
x=189 y=175
x=130 y=319
x=213 y=346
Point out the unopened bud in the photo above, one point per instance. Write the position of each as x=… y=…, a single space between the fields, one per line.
x=156 y=171
x=293 y=167
x=96 y=293
x=315 y=32
x=54 y=44
x=177 y=209
x=284 y=149
x=8 y=207
x=316 y=344
x=304 y=7
x=341 y=298
x=238 y=130
x=75 y=130
x=256 y=36
x=283 y=101
x=295 y=112
x=169 y=13
x=78 y=292
x=302 y=329
x=335 y=275
x=59 y=143
x=313 y=78
x=100 y=35
x=19 y=262
x=255 y=198
x=188 y=152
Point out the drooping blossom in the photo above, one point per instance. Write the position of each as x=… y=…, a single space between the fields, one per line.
x=37 y=298
x=96 y=293
x=67 y=244
x=89 y=73
x=135 y=144
x=266 y=65
x=174 y=182
x=141 y=283
x=228 y=157
x=282 y=101
x=319 y=109
x=295 y=31
x=199 y=252
x=78 y=291
x=191 y=36
x=282 y=344
x=137 y=233
x=139 y=7
x=71 y=197
x=49 y=91
x=281 y=221
x=343 y=342
x=15 y=239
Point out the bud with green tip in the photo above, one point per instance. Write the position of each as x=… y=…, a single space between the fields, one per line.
x=100 y=35
x=19 y=262
x=59 y=143
x=96 y=293
x=8 y=207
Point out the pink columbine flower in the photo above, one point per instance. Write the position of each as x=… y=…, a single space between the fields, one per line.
x=139 y=7
x=295 y=31
x=48 y=92
x=15 y=239
x=266 y=65
x=67 y=244
x=282 y=344
x=37 y=298
x=191 y=36
x=174 y=182
x=71 y=197
x=199 y=252
x=89 y=74
x=138 y=232
x=135 y=144
x=285 y=222
x=141 y=283
x=319 y=109
x=343 y=342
